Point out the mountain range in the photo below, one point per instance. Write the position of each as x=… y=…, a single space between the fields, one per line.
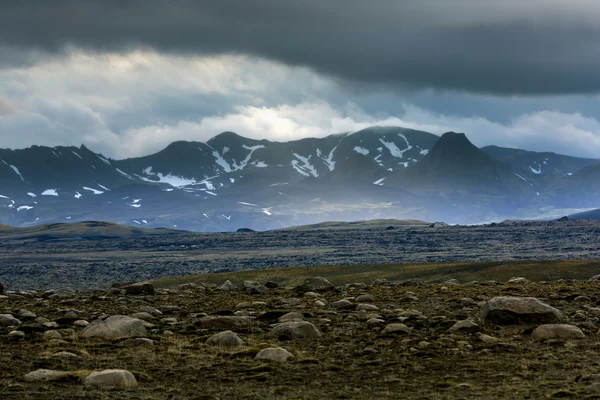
x=233 y=182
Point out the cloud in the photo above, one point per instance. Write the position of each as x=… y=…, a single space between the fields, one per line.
x=480 y=46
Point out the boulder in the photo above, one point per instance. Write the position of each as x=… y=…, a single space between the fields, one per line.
x=316 y=284
x=117 y=326
x=341 y=304
x=557 y=331
x=225 y=339
x=110 y=379
x=364 y=298
x=272 y=285
x=518 y=279
x=296 y=330
x=258 y=289
x=141 y=288
x=414 y=282
x=506 y=310
x=276 y=354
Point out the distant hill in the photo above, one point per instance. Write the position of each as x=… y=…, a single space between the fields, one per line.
x=376 y=223
x=80 y=230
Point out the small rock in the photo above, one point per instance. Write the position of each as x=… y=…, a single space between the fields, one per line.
x=26 y=314
x=365 y=298
x=272 y=285
x=144 y=316
x=151 y=310
x=414 y=282
x=16 y=335
x=81 y=323
x=518 y=279
x=45 y=375
x=465 y=325
x=375 y=321
x=394 y=329
x=488 y=339
x=296 y=330
x=312 y=294
x=381 y=282
x=341 y=304
x=258 y=290
x=316 y=284
x=291 y=316
x=50 y=335
x=276 y=354
x=366 y=307
x=111 y=378
x=225 y=339
x=319 y=303
x=451 y=282
x=557 y=331
x=65 y=354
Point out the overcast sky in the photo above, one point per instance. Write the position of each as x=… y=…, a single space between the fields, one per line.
x=128 y=77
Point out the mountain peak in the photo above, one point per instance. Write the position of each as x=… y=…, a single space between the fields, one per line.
x=227 y=135
x=453 y=144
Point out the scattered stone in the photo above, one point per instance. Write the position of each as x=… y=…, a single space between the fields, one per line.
x=81 y=323
x=227 y=286
x=465 y=325
x=414 y=282
x=342 y=304
x=394 y=329
x=151 y=310
x=291 y=316
x=316 y=284
x=312 y=294
x=519 y=279
x=111 y=379
x=52 y=335
x=225 y=339
x=296 y=330
x=375 y=321
x=319 y=303
x=272 y=285
x=451 y=282
x=513 y=310
x=557 y=331
x=258 y=290
x=437 y=225
x=488 y=339
x=65 y=354
x=364 y=298
x=9 y=320
x=366 y=307
x=16 y=335
x=117 y=326
x=46 y=375
x=26 y=314
x=381 y=282
x=144 y=316
x=276 y=354
x=141 y=288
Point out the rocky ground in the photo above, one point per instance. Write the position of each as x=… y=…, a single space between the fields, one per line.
x=381 y=339
x=89 y=264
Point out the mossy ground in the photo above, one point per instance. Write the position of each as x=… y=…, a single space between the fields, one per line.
x=338 y=365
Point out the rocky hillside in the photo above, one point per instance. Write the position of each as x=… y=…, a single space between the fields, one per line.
x=256 y=340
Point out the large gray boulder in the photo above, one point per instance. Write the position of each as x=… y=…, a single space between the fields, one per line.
x=117 y=326
x=316 y=284
x=110 y=379
x=276 y=354
x=507 y=310
x=557 y=331
x=227 y=286
x=296 y=330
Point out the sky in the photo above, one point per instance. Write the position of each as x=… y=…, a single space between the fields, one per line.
x=126 y=78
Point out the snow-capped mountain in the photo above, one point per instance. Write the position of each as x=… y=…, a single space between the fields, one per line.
x=231 y=182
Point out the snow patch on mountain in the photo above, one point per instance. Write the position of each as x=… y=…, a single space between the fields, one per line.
x=15 y=169
x=247 y=204
x=21 y=208
x=32 y=195
x=95 y=191
x=124 y=174
x=4 y=197
x=227 y=217
x=104 y=160
x=306 y=168
x=77 y=195
x=267 y=211
x=537 y=171
x=169 y=179
x=521 y=177
x=76 y=155
x=104 y=187
x=379 y=182
x=361 y=150
x=221 y=161
x=393 y=148
x=50 y=192
x=260 y=164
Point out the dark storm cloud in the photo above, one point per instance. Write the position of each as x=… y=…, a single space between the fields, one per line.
x=508 y=47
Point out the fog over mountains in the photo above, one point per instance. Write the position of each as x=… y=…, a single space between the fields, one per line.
x=232 y=182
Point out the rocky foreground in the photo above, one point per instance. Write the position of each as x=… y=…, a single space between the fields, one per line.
x=513 y=340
